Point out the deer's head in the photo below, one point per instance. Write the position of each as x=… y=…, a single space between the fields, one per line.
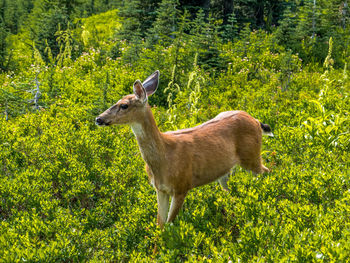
x=128 y=109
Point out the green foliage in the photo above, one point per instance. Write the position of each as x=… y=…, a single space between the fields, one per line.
x=306 y=28
x=14 y=13
x=46 y=19
x=230 y=31
x=3 y=45
x=97 y=31
x=71 y=191
x=164 y=27
x=138 y=16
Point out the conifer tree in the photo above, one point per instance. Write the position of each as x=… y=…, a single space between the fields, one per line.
x=138 y=17
x=285 y=33
x=230 y=29
x=3 y=45
x=165 y=26
x=205 y=35
x=46 y=18
x=44 y=21
x=14 y=13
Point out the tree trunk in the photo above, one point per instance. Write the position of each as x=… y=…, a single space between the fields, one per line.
x=259 y=13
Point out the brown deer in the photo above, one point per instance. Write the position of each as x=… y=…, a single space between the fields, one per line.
x=178 y=161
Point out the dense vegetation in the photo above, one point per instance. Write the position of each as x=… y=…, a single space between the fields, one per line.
x=71 y=191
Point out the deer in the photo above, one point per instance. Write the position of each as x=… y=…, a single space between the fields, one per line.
x=178 y=161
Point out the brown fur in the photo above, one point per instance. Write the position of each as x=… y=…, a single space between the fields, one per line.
x=178 y=161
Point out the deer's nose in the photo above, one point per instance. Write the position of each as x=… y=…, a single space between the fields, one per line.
x=99 y=121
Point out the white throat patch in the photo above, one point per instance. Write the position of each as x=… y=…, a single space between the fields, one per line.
x=137 y=130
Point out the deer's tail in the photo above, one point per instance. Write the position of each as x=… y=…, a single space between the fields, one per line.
x=266 y=129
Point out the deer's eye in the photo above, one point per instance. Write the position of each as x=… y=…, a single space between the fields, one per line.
x=124 y=106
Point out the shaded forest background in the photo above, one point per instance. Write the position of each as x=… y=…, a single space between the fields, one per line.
x=302 y=26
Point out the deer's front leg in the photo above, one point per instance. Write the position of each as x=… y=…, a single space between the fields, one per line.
x=163 y=206
x=176 y=203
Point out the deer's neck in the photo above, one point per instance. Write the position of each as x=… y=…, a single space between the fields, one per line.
x=149 y=139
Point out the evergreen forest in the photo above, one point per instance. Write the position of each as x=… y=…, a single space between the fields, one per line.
x=71 y=191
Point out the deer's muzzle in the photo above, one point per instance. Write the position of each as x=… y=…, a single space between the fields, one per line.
x=99 y=121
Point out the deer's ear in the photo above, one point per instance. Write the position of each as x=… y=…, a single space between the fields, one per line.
x=151 y=83
x=139 y=91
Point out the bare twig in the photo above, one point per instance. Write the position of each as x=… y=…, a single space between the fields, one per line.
x=37 y=92
x=6 y=113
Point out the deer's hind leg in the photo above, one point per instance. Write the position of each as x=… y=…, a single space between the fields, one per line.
x=223 y=181
x=250 y=155
x=255 y=165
